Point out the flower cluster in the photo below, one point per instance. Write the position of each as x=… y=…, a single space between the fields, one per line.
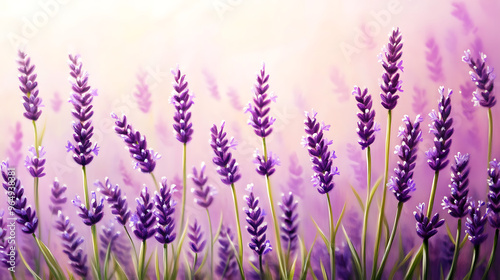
x=426 y=228
x=165 y=213
x=266 y=166
x=95 y=212
x=290 y=221
x=483 y=77
x=117 y=202
x=458 y=203
x=493 y=211
x=31 y=101
x=475 y=223
x=256 y=225
x=226 y=164
x=390 y=79
x=142 y=222
x=259 y=119
x=227 y=267
x=182 y=100
x=35 y=162
x=366 y=124
x=204 y=194
x=57 y=197
x=196 y=243
x=71 y=245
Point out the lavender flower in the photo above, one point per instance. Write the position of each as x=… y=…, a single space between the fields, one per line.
x=204 y=194
x=426 y=228
x=14 y=150
x=93 y=215
x=265 y=167
x=117 y=202
x=442 y=130
x=182 y=101
x=289 y=218
x=226 y=165
x=366 y=124
x=34 y=163
x=165 y=208
x=475 y=224
x=259 y=119
x=137 y=145
x=256 y=225
x=5 y=257
x=321 y=157
x=28 y=86
x=434 y=60
x=142 y=222
x=458 y=203
x=119 y=245
x=227 y=267
x=71 y=243
x=57 y=197
x=483 y=77
x=234 y=99
x=402 y=184
x=197 y=242
x=142 y=95
x=493 y=210
x=467 y=107
x=343 y=262
x=390 y=79
x=81 y=98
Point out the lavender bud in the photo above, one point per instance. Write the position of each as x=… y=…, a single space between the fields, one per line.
x=142 y=222
x=493 y=210
x=93 y=215
x=165 y=208
x=256 y=225
x=35 y=163
x=117 y=202
x=31 y=101
x=483 y=77
x=442 y=130
x=289 y=221
x=366 y=124
x=475 y=223
x=197 y=242
x=182 y=100
x=426 y=228
x=390 y=79
x=203 y=193
x=226 y=165
x=458 y=203
x=57 y=197
x=227 y=267
x=71 y=243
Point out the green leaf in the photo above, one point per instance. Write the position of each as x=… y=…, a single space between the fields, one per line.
x=354 y=255
x=120 y=272
x=387 y=231
x=187 y=267
x=178 y=252
x=53 y=265
x=450 y=235
x=323 y=271
x=400 y=264
x=238 y=260
x=414 y=263
x=339 y=220
x=292 y=268
x=463 y=240
x=157 y=265
x=219 y=228
x=254 y=267
x=28 y=266
x=327 y=243
x=106 y=260
x=147 y=264
x=373 y=191
x=358 y=198
x=202 y=263
x=312 y=273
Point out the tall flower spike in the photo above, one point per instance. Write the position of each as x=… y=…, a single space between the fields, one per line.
x=226 y=165
x=259 y=119
x=493 y=210
x=402 y=184
x=426 y=228
x=165 y=208
x=197 y=242
x=142 y=222
x=475 y=223
x=81 y=98
x=142 y=95
x=321 y=157
x=119 y=245
x=483 y=77
x=93 y=215
x=35 y=163
x=442 y=130
x=71 y=243
x=182 y=100
x=57 y=197
x=5 y=256
x=289 y=221
x=256 y=225
x=203 y=193
x=392 y=63
x=137 y=145
x=366 y=124
x=31 y=101
x=116 y=201
x=227 y=266
x=458 y=203
x=266 y=167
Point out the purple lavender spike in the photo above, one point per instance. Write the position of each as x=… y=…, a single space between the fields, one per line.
x=402 y=184
x=93 y=215
x=290 y=221
x=71 y=243
x=81 y=98
x=31 y=101
x=197 y=242
x=426 y=228
x=57 y=197
x=434 y=60
x=483 y=77
x=211 y=84
x=265 y=167
x=5 y=257
x=165 y=208
x=182 y=100
x=234 y=99
x=462 y=14
x=419 y=100
x=358 y=165
x=256 y=225
x=467 y=107
x=321 y=157
x=116 y=201
x=56 y=102
x=35 y=163
x=227 y=267
x=295 y=181
x=137 y=145
x=204 y=194
x=343 y=262
x=366 y=124
x=458 y=203
x=119 y=245
x=226 y=165
x=493 y=210
x=446 y=249
x=143 y=221
x=475 y=223
x=259 y=119
x=14 y=151
x=390 y=79
x=142 y=95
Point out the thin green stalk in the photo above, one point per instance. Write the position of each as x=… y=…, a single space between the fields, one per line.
x=184 y=182
x=433 y=194
x=96 y=251
x=475 y=256
x=451 y=273
x=13 y=275
x=492 y=256
x=382 y=207
x=238 y=227
x=133 y=245
x=141 y=273
x=155 y=181
x=261 y=270
x=425 y=263
x=194 y=265
x=332 y=238
x=391 y=239
x=166 y=273
x=367 y=206
x=414 y=262
x=85 y=186
x=490 y=134
x=37 y=200
x=211 y=246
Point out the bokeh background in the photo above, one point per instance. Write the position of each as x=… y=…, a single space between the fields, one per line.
x=315 y=53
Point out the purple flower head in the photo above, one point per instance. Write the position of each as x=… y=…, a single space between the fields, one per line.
x=475 y=223
x=165 y=208
x=182 y=100
x=483 y=77
x=115 y=239
x=265 y=167
x=321 y=157
x=402 y=183
x=226 y=165
x=196 y=241
x=5 y=256
x=227 y=266
x=142 y=95
x=14 y=150
x=390 y=79
x=34 y=163
x=137 y=145
x=71 y=242
x=204 y=194
x=57 y=197
x=493 y=210
x=117 y=202
x=458 y=203
x=142 y=222
x=3 y=230
x=81 y=98
x=256 y=225
x=442 y=130
x=426 y=228
x=289 y=221
x=366 y=124
x=31 y=101
x=93 y=215
x=259 y=119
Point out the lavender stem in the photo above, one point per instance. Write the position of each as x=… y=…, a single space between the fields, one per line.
x=367 y=207
x=492 y=255
x=211 y=246
x=490 y=135
x=184 y=182
x=165 y=263
x=475 y=256
x=93 y=227
x=391 y=239
x=131 y=242
x=457 y=249
x=36 y=183
x=433 y=193
x=332 y=238
x=425 y=262
x=155 y=181
x=240 y=240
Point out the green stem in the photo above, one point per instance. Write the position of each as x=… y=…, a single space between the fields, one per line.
x=492 y=255
x=475 y=256
x=157 y=186
x=211 y=246
x=451 y=273
x=238 y=227
x=260 y=267
x=96 y=251
x=133 y=245
x=332 y=238
x=367 y=207
x=382 y=208
x=194 y=265
x=141 y=273
x=425 y=263
x=13 y=275
x=85 y=187
x=184 y=182
x=37 y=199
x=166 y=273
x=414 y=262
x=490 y=134
x=389 y=244
x=433 y=194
